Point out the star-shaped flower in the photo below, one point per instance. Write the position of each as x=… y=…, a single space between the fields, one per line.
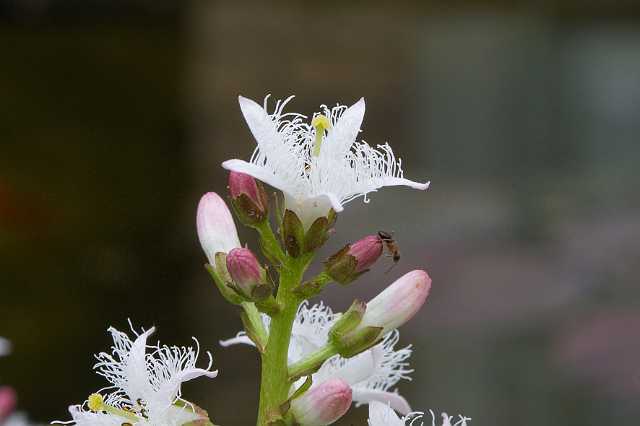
x=145 y=387
x=317 y=166
x=383 y=415
x=370 y=374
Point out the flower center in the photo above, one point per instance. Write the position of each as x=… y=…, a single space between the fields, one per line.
x=96 y=403
x=320 y=123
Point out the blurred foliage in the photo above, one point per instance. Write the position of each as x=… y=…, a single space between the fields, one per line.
x=116 y=115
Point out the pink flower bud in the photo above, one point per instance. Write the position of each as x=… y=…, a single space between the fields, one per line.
x=241 y=183
x=216 y=230
x=323 y=404
x=246 y=272
x=8 y=401
x=248 y=197
x=399 y=302
x=366 y=251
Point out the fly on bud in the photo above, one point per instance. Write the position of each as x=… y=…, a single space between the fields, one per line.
x=398 y=303
x=248 y=197
x=323 y=404
x=216 y=229
x=354 y=259
x=249 y=278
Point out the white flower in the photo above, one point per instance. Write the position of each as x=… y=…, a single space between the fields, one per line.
x=370 y=374
x=5 y=346
x=382 y=415
x=145 y=387
x=216 y=229
x=314 y=170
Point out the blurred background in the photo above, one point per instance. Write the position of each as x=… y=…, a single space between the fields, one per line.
x=116 y=116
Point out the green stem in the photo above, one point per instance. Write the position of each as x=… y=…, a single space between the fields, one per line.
x=311 y=363
x=269 y=243
x=275 y=384
x=256 y=321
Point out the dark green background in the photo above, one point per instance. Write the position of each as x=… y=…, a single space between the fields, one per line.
x=115 y=116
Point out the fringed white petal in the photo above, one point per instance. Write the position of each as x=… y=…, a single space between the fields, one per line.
x=240 y=339
x=381 y=415
x=366 y=396
x=344 y=130
x=260 y=173
x=82 y=417
x=392 y=181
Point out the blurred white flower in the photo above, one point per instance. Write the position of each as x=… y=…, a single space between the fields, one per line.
x=317 y=166
x=383 y=415
x=5 y=346
x=370 y=374
x=145 y=387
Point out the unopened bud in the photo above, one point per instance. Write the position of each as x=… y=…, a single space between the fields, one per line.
x=366 y=251
x=398 y=303
x=248 y=197
x=323 y=404
x=247 y=274
x=216 y=230
x=8 y=401
x=354 y=259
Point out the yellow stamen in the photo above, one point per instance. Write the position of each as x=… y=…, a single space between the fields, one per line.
x=96 y=404
x=321 y=123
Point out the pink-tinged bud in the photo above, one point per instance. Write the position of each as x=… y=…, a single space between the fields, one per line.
x=354 y=259
x=398 y=303
x=242 y=183
x=8 y=401
x=248 y=197
x=323 y=404
x=247 y=274
x=216 y=230
x=366 y=251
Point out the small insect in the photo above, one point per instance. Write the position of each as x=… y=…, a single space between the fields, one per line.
x=391 y=246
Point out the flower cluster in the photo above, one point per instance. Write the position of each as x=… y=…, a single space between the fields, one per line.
x=145 y=387
x=315 y=363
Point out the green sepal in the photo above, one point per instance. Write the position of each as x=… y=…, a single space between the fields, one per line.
x=341 y=266
x=317 y=235
x=292 y=233
x=312 y=287
x=332 y=217
x=247 y=211
x=347 y=321
x=268 y=305
x=359 y=340
x=222 y=279
x=252 y=333
x=302 y=389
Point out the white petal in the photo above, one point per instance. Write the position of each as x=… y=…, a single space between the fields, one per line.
x=354 y=370
x=366 y=396
x=261 y=125
x=309 y=209
x=381 y=414
x=344 y=133
x=261 y=173
x=135 y=368
x=394 y=181
x=88 y=418
x=175 y=415
x=238 y=340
